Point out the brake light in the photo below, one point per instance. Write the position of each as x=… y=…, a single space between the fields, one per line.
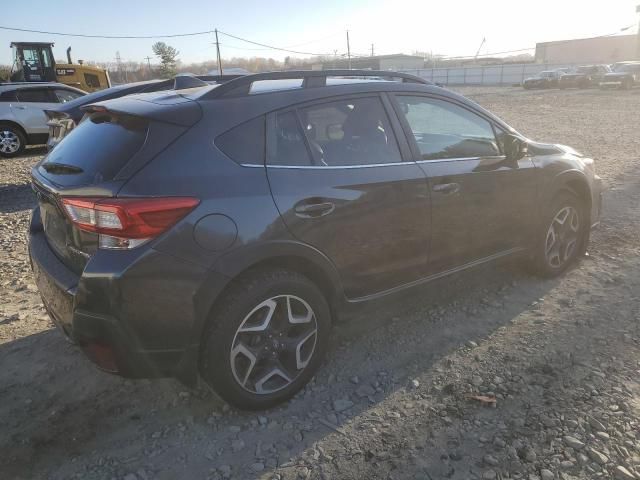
x=125 y=223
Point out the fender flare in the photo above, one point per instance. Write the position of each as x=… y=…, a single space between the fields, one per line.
x=234 y=263
x=575 y=181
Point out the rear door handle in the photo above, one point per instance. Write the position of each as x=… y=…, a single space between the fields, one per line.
x=20 y=107
x=447 y=188
x=312 y=210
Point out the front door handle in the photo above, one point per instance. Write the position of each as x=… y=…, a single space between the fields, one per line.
x=447 y=188
x=20 y=107
x=312 y=210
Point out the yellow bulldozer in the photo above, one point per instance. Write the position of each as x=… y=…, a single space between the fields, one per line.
x=34 y=62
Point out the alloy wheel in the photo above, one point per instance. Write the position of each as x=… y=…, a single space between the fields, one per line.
x=562 y=237
x=9 y=142
x=274 y=344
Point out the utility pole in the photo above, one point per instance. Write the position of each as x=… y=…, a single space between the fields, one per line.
x=480 y=48
x=218 y=54
x=348 y=50
x=372 y=49
x=119 y=63
x=148 y=58
x=638 y=43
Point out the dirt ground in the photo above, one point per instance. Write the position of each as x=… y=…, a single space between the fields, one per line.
x=561 y=356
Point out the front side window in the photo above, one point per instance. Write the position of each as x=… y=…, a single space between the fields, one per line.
x=36 y=95
x=444 y=130
x=349 y=133
x=65 y=96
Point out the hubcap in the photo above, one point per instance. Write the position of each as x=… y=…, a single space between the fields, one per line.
x=9 y=141
x=562 y=237
x=273 y=344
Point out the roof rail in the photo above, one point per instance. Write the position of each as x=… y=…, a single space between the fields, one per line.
x=310 y=78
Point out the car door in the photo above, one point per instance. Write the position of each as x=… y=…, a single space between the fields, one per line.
x=343 y=185
x=29 y=109
x=481 y=201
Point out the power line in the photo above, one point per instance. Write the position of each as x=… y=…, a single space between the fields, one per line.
x=192 y=34
x=271 y=46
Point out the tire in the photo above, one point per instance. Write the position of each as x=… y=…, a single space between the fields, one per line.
x=250 y=322
x=571 y=238
x=12 y=141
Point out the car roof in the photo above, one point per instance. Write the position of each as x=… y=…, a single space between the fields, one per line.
x=4 y=87
x=245 y=98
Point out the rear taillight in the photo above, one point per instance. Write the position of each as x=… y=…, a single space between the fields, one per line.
x=126 y=223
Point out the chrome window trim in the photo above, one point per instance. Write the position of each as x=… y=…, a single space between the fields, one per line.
x=370 y=165
x=327 y=167
x=458 y=159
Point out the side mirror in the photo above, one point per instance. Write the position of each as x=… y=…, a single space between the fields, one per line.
x=515 y=147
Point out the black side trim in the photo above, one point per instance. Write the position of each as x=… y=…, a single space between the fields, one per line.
x=435 y=276
x=37 y=138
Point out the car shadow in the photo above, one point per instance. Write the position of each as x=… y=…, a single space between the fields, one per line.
x=58 y=411
x=16 y=198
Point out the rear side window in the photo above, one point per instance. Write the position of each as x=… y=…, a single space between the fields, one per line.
x=9 y=96
x=287 y=145
x=65 y=96
x=350 y=132
x=98 y=149
x=36 y=95
x=244 y=144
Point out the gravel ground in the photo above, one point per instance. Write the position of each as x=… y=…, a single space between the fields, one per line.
x=401 y=394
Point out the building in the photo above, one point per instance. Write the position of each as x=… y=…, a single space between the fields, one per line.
x=589 y=50
x=396 y=61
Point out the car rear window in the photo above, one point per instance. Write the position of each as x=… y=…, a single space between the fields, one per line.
x=96 y=150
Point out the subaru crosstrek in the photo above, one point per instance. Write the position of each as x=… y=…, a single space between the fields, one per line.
x=219 y=231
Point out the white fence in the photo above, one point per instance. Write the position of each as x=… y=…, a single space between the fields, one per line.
x=508 y=74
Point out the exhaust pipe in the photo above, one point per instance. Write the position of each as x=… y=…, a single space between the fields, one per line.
x=69 y=55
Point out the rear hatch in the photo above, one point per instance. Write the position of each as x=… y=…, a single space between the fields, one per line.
x=114 y=141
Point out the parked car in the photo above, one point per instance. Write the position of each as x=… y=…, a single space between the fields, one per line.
x=22 y=118
x=584 y=77
x=545 y=79
x=625 y=75
x=63 y=118
x=221 y=231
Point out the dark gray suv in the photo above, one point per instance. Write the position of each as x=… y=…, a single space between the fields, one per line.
x=219 y=231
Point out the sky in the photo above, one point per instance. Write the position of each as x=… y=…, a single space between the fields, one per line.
x=446 y=27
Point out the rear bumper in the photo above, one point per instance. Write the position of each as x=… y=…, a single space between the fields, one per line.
x=138 y=316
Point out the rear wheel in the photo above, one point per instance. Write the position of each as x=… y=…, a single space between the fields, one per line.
x=563 y=237
x=12 y=141
x=266 y=340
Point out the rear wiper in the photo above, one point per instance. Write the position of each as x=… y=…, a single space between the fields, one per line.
x=60 y=168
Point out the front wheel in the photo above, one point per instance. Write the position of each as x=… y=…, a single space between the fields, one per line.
x=563 y=237
x=266 y=340
x=12 y=141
